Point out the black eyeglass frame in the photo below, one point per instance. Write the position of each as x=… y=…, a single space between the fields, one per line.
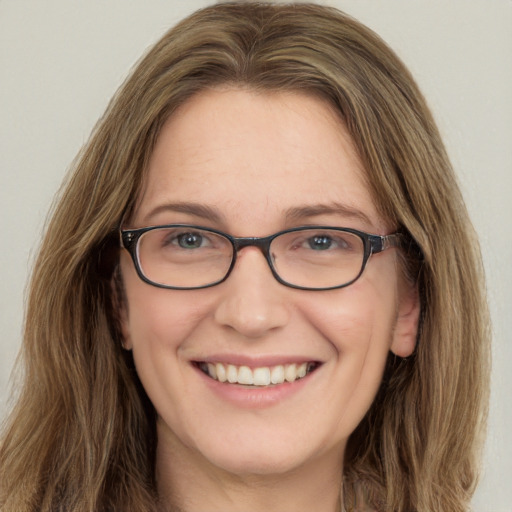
x=373 y=244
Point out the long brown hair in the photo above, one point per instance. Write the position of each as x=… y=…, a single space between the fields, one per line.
x=82 y=435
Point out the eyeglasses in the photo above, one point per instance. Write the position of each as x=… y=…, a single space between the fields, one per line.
x=186 y=257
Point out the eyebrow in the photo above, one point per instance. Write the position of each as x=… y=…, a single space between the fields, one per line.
x=302 y=212
x=196 y=209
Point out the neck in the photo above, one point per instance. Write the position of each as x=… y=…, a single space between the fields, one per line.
x=189 y=483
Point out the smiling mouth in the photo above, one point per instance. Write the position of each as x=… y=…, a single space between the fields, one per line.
x=262 y=376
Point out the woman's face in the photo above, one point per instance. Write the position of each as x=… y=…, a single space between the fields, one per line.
x=253 y=164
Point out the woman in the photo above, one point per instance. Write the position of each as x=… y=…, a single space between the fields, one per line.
x=246 y=352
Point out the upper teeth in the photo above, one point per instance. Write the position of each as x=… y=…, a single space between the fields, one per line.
x=262 y=376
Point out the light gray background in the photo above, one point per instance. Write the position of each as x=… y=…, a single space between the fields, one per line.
x=61 y=61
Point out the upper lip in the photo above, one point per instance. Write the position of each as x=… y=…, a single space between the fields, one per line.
x=255 y=362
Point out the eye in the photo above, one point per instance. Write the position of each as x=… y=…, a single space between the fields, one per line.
x=320 y=242
x=189 y=240
x=173 y=239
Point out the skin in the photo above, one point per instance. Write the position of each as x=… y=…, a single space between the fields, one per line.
x=252 y=158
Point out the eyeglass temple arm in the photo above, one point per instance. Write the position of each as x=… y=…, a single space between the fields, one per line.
x=381 y=243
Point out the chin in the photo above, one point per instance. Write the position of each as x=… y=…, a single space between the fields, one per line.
x=264 y=453
x=257 y=462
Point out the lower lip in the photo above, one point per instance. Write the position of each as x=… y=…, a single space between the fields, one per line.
x=256 y=396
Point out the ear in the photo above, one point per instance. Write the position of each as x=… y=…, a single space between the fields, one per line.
x=120 y=309
x=407 y=322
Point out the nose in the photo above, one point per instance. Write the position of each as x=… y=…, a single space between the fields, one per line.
x=253 y=303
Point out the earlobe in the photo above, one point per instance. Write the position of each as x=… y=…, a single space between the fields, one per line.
x=406 y=328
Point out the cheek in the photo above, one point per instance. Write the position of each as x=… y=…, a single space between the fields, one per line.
x=354 y=318
x=162 y=321
x=358 y=323
x=157 y=322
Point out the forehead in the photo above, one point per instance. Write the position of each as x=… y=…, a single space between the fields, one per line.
x=253 y=156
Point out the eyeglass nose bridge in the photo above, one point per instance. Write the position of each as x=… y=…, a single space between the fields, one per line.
x=262 y=243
